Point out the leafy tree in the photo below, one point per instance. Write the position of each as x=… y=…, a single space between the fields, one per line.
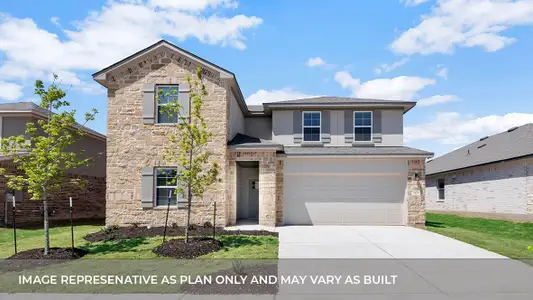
x=41 y=155
x=187 y=147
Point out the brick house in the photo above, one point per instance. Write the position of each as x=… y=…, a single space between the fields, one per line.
x=325 y=160
x=88 y=202
x=490 y=178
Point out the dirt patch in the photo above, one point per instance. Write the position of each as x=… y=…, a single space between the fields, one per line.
x=233 y=289
x=177 y=248
x=53 y=253
x=34 y=258
x=118 y=233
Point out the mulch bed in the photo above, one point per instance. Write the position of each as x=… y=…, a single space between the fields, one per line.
x=143 y=231
x=177 y=248
x=35 y=258
x=233 y=289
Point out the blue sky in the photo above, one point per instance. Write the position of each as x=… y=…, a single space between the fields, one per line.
x=467 y=62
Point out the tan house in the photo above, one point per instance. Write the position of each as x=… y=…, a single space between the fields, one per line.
x=325 y=160
x=88 y=202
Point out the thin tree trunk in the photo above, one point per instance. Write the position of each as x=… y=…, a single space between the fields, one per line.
x=189 y=201
x=46 y=227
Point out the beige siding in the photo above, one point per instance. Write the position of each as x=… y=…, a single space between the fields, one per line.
x=391 y=127
x=282 y=127
x=502 y=188
x=236 y=118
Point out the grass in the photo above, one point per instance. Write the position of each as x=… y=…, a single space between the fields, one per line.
x=235 y=246
x=510 y=239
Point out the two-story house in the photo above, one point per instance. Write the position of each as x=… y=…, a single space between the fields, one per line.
x=325 y=160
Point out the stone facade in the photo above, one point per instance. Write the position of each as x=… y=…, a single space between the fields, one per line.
x=88 y=202
x=501 y=190
x=415 y=193
x=269 y=174
x=132 y=145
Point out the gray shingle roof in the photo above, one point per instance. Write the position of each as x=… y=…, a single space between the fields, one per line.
x=246 y=141
x=32 y=108
x=498 y=147
x=346 y=150
x=339 y=100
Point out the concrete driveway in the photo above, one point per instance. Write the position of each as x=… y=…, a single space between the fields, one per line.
x=372 y=242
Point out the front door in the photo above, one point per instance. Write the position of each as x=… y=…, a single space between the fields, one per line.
x=253 y=198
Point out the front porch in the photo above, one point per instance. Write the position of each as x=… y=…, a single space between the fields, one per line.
x=255 y=187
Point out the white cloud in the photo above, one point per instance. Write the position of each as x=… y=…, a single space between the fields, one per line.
x=385 y=68
x=443 y=72
x=10 y=91
x=465 y=23
x=413 y=2
x=454 y=128
x=315 y=61
x=108 y=35
x=55 y=21
x=397 y=88
x=193 y=5
x=437 y=99
x=262 y=96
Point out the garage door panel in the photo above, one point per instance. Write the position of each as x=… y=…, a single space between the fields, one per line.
x=372 y=197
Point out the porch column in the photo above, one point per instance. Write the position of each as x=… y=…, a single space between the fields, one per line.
x=267 y=189
x=231 y=208
x=415 y=193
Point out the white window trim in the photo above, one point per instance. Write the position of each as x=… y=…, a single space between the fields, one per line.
x=320 y=127
x=157 y=104
x=163 y=187
x=364 y=126
x=443 y=190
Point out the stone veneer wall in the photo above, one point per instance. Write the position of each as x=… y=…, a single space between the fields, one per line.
x=279 y=192
x=132 y=145
x=269 y=174
x=88 y=202
x=415 y=192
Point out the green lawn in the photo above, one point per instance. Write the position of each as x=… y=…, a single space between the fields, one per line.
x=510 y=239
x=259 y=247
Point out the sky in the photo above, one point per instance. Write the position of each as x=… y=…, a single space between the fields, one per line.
x=468 y=63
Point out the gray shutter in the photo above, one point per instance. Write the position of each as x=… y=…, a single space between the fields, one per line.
x=348 y=126
x=19 y=196
x=376 y=127
x=297 y=126
x=149 y=103
x=184 y=91
x=325 y=127
x=147 y=187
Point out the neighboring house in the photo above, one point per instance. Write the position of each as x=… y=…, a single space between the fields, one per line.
x=88 y=202
x=325 y=160
x=490 y=178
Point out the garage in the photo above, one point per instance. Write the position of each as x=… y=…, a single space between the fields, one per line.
x=344 y=191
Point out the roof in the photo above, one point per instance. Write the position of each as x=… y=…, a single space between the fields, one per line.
x=514 y=143
x=346 y=150
x=246 y=141
x=32 y=108
x=329 y=101
x=98 y=76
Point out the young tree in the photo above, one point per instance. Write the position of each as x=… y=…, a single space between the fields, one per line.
x=42 y=156
x=187 y=147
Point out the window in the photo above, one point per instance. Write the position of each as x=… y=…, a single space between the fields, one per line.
x=311 y=126
x=362 y=126
x=441 y=188
x=166 y=183
x=166 y=94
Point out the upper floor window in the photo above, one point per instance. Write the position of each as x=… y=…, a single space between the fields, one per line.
x=441 y=186
x=165 y=183
x=362 y=126
x=166 y=94
x=311 y=126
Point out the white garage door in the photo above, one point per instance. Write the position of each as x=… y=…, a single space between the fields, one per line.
x=344 y=191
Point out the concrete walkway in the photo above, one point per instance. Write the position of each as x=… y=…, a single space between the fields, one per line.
x=372 y=242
